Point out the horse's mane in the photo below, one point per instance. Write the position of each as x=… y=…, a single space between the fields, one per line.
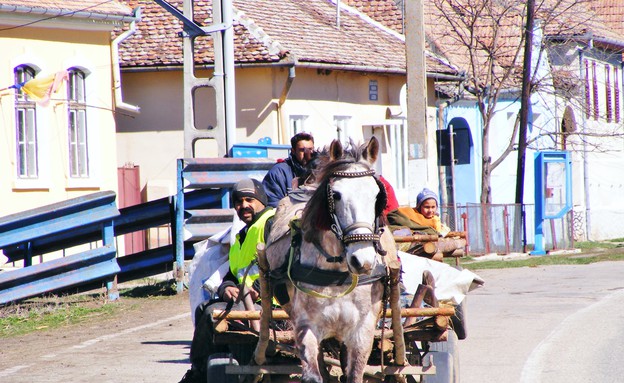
x=316 y=218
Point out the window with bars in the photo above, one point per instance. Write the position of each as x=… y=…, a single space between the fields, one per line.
x=77 y=125
x=26 y=127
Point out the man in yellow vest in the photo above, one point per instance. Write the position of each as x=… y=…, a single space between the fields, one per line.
x=250 y=202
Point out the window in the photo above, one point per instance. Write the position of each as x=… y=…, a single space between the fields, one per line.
x=297 y=124
x=398 y=144
x=26 y=127
x=373 y=90
x=342 y=128
x=77 y=125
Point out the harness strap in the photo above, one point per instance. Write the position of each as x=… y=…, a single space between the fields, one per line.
x=303 y=289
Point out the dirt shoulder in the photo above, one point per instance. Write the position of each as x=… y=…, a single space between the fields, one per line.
x=144 y=339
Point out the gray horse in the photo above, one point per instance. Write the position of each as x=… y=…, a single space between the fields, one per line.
x=332 y=256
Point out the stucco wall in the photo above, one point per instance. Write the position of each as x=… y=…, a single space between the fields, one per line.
x=153 y=139
x=50 y=51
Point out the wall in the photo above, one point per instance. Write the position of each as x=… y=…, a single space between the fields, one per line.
x=153 y=139
x=52 y=50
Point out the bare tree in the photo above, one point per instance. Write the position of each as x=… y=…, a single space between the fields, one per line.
x=486 y=37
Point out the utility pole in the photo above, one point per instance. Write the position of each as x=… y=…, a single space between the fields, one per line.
x=524 y=107
x=416 y=94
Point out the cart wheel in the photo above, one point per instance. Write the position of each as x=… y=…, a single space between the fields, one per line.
x=215 y=368
x=243 y=353
x=446 y=359
x=458 y=320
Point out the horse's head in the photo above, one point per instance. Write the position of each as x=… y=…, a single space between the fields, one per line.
x=348 y=201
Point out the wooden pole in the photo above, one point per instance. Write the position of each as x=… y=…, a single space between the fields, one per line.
x=282 y=315
x=395 y=306
x=266 y=300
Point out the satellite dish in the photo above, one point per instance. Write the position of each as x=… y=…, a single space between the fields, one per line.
x=403 y=100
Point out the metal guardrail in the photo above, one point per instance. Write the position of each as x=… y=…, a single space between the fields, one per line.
x=82 y=220
x=220 y=174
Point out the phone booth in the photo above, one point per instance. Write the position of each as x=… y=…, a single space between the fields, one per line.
x=553 y=191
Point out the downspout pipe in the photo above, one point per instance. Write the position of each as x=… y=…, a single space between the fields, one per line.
x=119 y=103
x=282 y=100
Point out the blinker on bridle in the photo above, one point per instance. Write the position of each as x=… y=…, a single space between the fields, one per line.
x=347 y=238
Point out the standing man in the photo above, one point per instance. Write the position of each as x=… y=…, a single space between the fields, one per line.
x=250 y=203
x=278 y=181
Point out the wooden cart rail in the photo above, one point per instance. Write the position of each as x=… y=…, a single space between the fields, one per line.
x=453 y=245
x=282 y=315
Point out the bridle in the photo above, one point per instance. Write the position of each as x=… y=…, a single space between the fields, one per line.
x=344 y=236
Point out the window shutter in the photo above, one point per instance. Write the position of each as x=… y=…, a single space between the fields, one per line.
x=587 y=94
x=608 y=93
x=595 y=92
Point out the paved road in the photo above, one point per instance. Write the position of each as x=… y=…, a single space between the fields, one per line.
x=546 y=324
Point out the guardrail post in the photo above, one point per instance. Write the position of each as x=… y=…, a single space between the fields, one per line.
x=179 y=226
x=108 y=239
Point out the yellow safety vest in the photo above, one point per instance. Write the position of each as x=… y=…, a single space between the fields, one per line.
x=241 y=255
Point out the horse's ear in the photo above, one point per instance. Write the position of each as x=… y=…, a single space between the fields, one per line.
x=335 y=150
x=371 y=151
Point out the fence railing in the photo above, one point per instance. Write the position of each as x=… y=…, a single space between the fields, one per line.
x=498 y=228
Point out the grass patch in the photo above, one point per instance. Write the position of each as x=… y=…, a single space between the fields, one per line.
x=50 y=312
x=589 y=255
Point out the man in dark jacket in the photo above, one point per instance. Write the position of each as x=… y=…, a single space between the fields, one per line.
x=278 y=181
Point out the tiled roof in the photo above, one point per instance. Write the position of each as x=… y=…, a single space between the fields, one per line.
x=612 y=12
x=384 y=11
x=595 y=18
x=94 y=6
x=302 y=30
x=563 y=18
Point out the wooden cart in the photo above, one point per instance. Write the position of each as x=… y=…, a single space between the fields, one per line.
x=416 y=343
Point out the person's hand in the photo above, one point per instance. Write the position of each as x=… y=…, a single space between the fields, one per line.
x=230 y=293
x=254 y=294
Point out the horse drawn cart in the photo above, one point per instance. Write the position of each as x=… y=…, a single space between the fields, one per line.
x=355 y=310
x=411 y=344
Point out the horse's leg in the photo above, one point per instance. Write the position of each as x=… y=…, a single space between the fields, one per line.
x=358 y=349
x=308 y=353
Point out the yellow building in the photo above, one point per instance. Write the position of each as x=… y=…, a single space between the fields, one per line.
x=65 y=147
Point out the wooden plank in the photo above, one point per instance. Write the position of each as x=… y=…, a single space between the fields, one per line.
x=282 y=315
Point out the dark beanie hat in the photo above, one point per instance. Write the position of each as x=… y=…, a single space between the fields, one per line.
x=249 y=187
x=424 y=195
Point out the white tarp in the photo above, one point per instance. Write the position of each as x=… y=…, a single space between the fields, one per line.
x=209 y=265
x=451 y=284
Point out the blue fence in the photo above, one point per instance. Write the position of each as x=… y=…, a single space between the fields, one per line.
x=79 y=221
x=219 y=174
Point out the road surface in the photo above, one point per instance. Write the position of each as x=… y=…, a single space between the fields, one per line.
x=544 y=324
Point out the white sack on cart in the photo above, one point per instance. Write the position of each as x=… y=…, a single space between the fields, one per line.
x=451 y=284
x=209 y=265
